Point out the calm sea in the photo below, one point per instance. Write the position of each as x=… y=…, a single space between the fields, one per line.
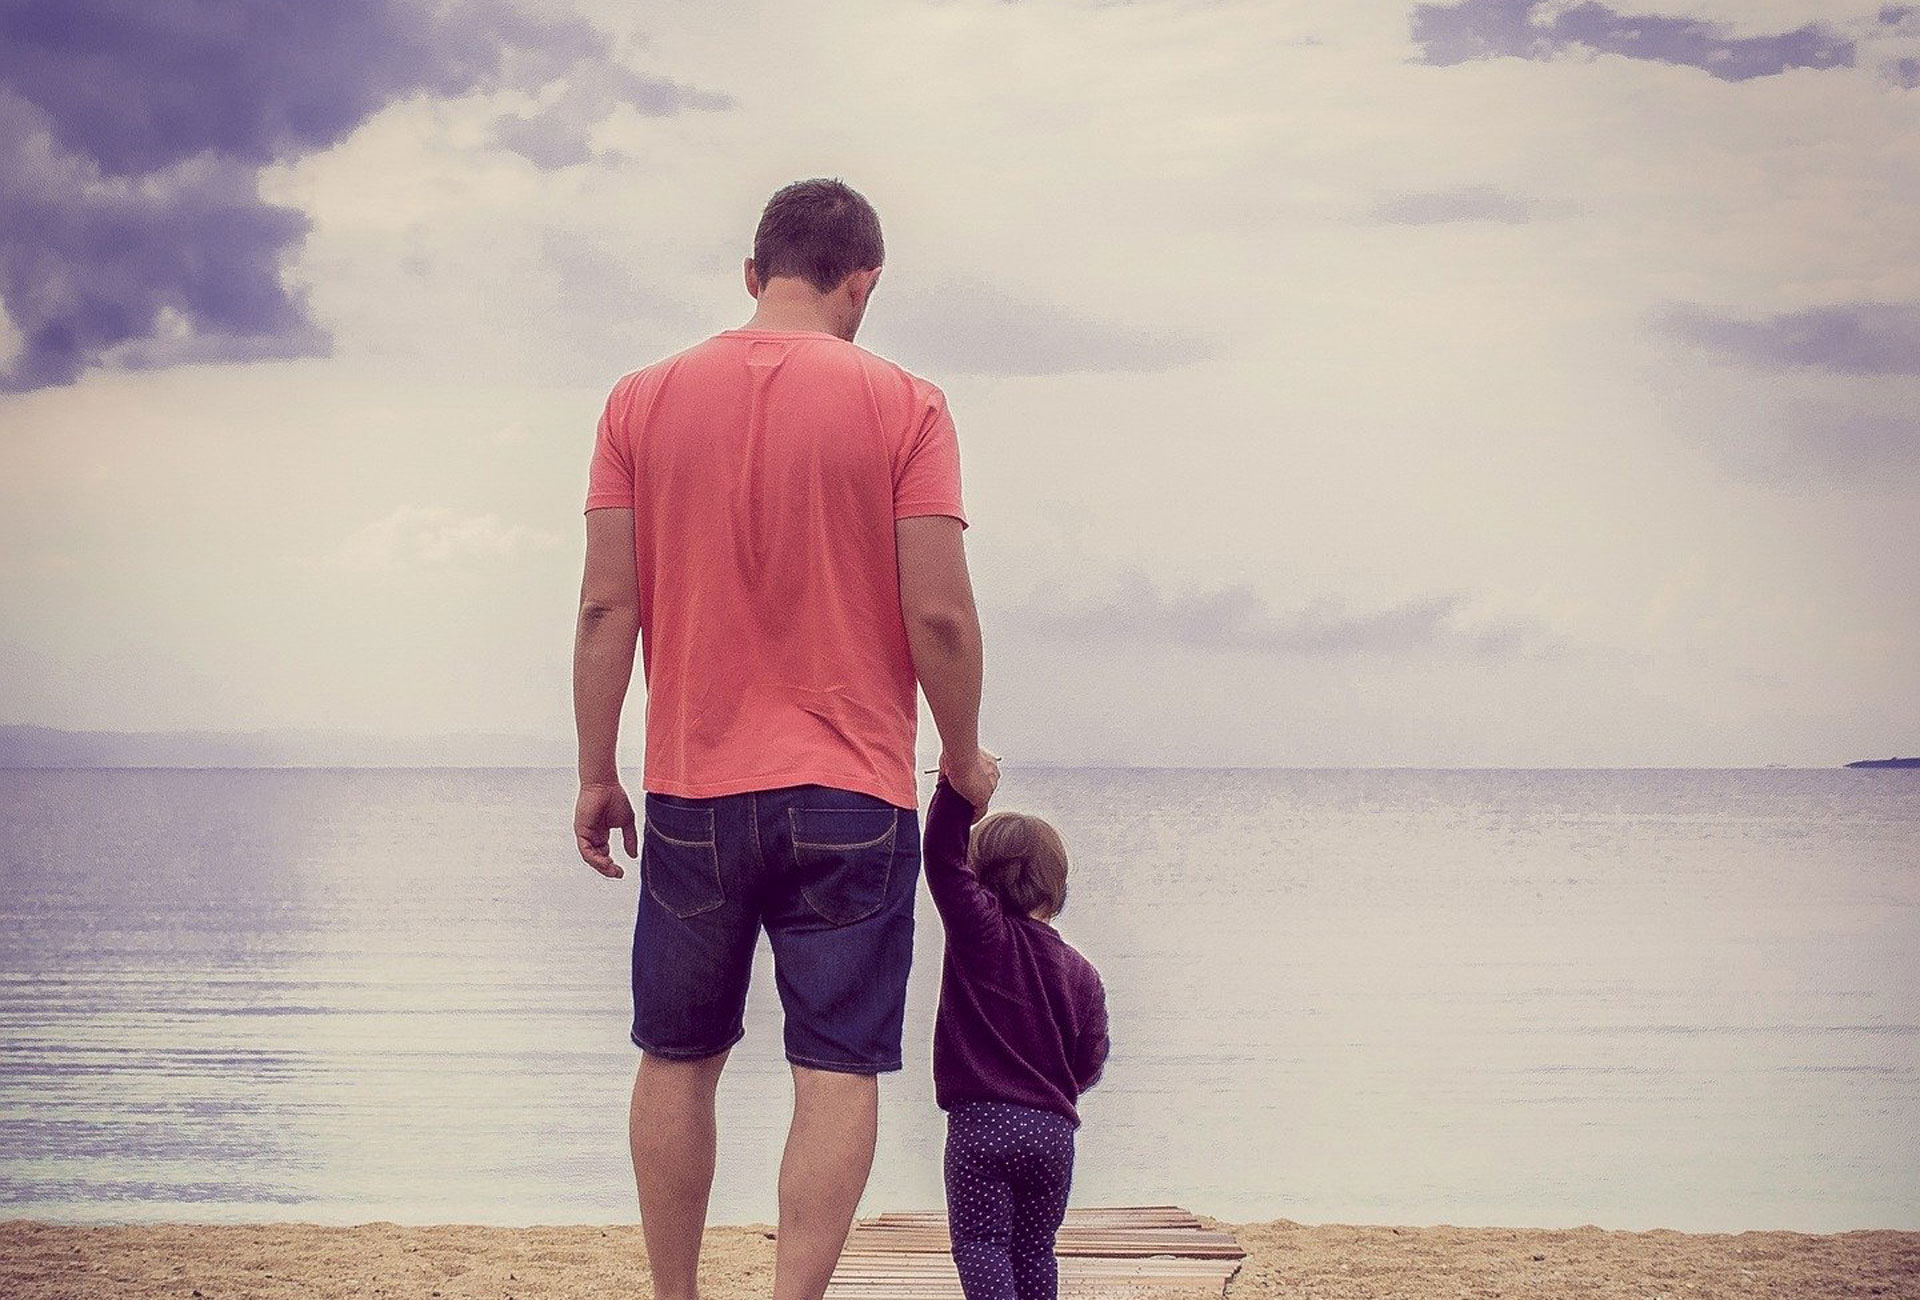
x=1634 y=998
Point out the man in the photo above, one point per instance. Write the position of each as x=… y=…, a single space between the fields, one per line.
x=776 y=514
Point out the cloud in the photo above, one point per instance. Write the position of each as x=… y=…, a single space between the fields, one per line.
x=1469 y=203
x=1236 y=619
x=1904 y=73
x=597 y=315
x=1852 y=443
x=1841 y=439
x=1862 y=338
x=1449 y=34
x=182 y=267
x=599 y=287
x=559 y=134
x=132 y=135
x=969 y=326
x=549 y=140
x=431 y=536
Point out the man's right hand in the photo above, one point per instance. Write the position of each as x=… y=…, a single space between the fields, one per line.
x=973 y=777
x=600 y=810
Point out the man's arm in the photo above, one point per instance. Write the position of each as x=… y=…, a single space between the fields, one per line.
x=943 y=633
x=604 y=638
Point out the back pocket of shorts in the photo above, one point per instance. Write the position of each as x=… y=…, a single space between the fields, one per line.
x=679 y=860
x=844 y=859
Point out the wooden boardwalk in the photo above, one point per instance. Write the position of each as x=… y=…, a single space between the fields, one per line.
x=1155 y=1247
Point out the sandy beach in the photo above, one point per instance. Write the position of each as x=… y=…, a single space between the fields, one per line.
x=1322 y=1262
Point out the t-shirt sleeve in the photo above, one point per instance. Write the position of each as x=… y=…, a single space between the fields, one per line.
x=927 y=481
x=610 y=476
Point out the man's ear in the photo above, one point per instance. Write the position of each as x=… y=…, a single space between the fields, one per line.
x=752 y=275
x=861 y=283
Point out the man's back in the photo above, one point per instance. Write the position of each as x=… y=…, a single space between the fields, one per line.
x=766 y=469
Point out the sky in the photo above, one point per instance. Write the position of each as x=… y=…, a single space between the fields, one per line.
x=1339 y=383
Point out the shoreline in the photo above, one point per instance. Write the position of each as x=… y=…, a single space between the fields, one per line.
x=41 y=1261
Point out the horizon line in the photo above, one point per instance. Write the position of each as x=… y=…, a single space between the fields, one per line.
x=1014 y=767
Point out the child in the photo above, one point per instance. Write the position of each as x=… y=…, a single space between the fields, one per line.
x=1021 y=1033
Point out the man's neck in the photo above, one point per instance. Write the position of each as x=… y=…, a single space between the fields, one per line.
x=793 y=304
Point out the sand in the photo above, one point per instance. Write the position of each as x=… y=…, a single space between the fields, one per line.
x=1326 y=1262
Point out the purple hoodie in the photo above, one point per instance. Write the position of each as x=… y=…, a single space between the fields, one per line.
x=1022 y=1016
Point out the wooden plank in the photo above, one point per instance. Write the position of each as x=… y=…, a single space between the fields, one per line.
x=906 y=1256
x=940 y=1246
x=1087 y=1220
x=907 y=1231
x=933 y=1239
x=868 y=1262
x=1174 y=1281
x=1185 y=1268
x=1156 y=1214
x=1204 y=1248
x=1161 y=1263
x=1204 y=1285
x=1207 y=1281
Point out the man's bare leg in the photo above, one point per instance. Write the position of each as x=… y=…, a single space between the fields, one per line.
x=671 y=1129
x=829 y=1154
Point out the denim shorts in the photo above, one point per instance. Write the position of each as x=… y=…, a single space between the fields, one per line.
x=829 y=874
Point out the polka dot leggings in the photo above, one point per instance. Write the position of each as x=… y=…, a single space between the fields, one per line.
x=1008 y=1169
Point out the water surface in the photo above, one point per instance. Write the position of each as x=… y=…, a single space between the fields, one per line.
x=1641 y=998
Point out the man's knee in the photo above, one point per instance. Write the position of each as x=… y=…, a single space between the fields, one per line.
x=677 y=1094
x=697 y=1067
x=835 y=1087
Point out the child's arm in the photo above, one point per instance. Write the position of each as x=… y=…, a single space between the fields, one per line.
x=1090 y=1050
x=970 y=911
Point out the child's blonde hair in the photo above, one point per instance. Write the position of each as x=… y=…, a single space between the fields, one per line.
x=1021 y=859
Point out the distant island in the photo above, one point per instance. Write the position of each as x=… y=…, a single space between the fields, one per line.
x=1887 y=762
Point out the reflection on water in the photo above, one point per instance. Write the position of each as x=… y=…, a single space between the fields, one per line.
x=1688 y=999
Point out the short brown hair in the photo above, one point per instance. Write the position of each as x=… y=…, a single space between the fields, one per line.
x=820 y=230
x=1023 y=860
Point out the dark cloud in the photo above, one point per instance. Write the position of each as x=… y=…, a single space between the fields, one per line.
x=1236 y=619
x=549 y=140
x=1855 y=442
x=972 y=327
x=136 y=85
x=559 y=134
x=1540 y=29
x=151 y=274
x=1865 y=338
x=1839 y=406
x=132 y=230
x=1470 y=203
x=1904 y=73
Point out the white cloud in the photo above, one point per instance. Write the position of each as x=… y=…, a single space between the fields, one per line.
x=1236 y=620
x=414 y=537
x=1465 y=203
x=969 y=326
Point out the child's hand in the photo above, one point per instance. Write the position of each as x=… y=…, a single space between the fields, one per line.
x=973 y=777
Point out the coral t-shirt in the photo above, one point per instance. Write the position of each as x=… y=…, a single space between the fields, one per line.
x=765 y=469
